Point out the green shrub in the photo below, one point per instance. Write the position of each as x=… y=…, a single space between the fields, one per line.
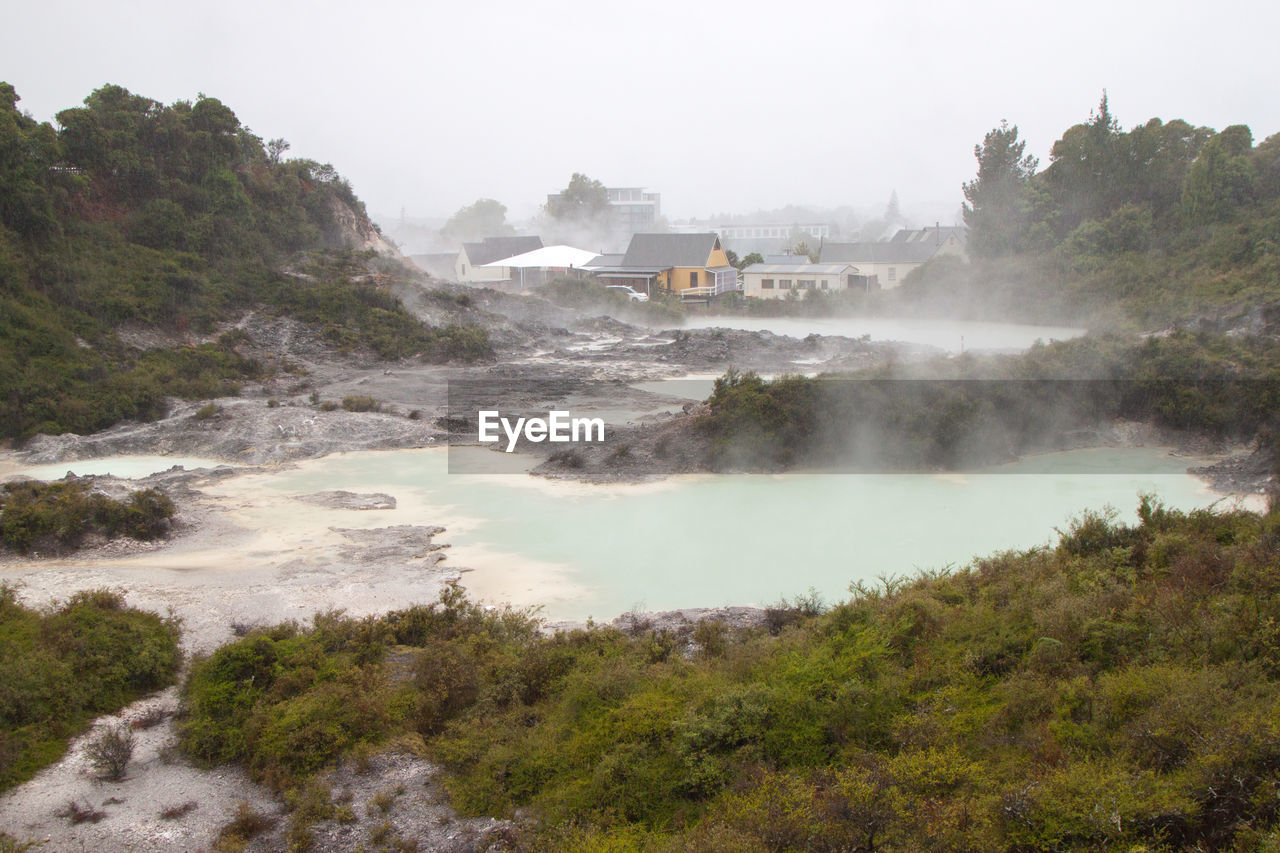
x=60 y=668
x=361 y=404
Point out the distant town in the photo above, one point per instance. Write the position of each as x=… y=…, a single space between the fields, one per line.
x=646 y=257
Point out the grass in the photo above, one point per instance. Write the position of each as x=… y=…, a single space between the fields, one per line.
x=994 y=707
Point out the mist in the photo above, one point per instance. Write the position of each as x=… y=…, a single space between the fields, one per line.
x=427 y=107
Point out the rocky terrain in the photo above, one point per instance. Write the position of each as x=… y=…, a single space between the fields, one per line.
x=239 y=555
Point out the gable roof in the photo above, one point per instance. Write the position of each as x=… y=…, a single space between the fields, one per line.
x=660 y=251
x=548 y=257
x=801 y=269
x=497 y=248
x=898 y=252
x=931 y=235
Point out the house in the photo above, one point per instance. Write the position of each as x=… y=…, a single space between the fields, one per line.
x=469 y=267
x=777 y=281
x=691 y=265
x=535 y=268
x=886 y=263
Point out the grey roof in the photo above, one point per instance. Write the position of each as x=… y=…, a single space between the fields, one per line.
x=802 y=269
x=603 y=261
x=497 y=248
x=933 y=235
x=787 y=259
x=900 y=252
x=670 y=250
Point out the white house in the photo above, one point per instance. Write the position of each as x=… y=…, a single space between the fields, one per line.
x=469 y=267
x=777 y=281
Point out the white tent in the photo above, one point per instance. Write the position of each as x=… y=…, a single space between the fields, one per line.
x=548 y=257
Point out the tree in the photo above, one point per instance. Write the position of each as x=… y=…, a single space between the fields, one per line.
x=752 y=258
x=584 y=200
x=484 y=218
x=1087 y=175
x=276 y=148
x=1221 y=179
x=997 y=208
x=892 y=212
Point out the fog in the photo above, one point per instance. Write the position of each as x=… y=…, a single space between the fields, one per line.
x=718 y=106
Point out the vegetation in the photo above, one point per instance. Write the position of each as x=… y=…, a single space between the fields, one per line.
x=174 y=218
x=588 y=295
x=62 y=667
x=1166 y=222
x=979 y=410
x=60 y=514
x=110 y=752
x=1118 y=691
x=1159 y=223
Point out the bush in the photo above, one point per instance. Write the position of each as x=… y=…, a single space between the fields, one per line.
x=110 y=752
x=63 y=513
x=61 y=668
x=361 y=404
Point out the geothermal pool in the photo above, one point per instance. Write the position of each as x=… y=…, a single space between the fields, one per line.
x=582 y=550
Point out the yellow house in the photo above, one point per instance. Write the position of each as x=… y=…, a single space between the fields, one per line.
x=693 y=266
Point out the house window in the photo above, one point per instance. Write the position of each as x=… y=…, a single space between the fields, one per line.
x=893 y=273
x=693 y=279
x=824 y=284
x=804 y=284
x=766 y=284
x=464 y=269
x=784 y=284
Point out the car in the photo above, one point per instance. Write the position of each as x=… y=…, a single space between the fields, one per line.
x=630 y=293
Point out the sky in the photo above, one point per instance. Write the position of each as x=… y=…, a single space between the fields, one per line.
x=722 y=107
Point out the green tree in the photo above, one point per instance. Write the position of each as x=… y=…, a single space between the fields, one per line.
x=1221 y=179
x=1087 y=168
x=484 y=218
x=997 y=207
x=27 y=152
x=584 y=200
x=752 y=258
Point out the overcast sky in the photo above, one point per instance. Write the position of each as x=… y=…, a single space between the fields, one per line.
x=719 y=106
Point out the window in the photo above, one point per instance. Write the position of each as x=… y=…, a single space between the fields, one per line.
x=824 y=284
x=784 y=284
x=766 y=284
x=893 y=273
x=464 y=269
x=804 y=284
x=693 y=279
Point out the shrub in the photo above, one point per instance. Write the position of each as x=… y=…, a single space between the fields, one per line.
x=207 y=412
x=111 y=751
x=361 y=404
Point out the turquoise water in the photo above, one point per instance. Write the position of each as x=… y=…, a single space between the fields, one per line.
x=128 y=467
x=711 y=540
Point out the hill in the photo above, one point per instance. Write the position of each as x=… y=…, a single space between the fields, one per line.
x=134 y=214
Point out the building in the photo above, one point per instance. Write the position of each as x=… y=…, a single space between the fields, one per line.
x=777 y=281
x=469 y=267
x=536 y=268
x=887 y=263
x=691 y=265
x=764 y=238
x=634 y=210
